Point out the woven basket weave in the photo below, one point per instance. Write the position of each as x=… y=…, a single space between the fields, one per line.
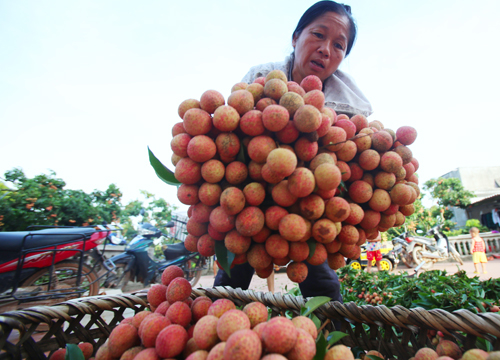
x=396 y=332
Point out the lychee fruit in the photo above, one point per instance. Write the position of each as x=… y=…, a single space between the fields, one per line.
x=179 y=289
x=406 y=135
x=311 y=82
x=275 y=117
x=230 y=322
x=307 y=118
x=157 y=294
x=186 y=105
x=256 y=312
x=282 y=162
x=122 y=338
x=339 y=352
x=243 y=344
x=232 y=200
x=279 y=335
x=291 y=101
x=304 y=348
x=210 y=100
x=171 y=341
x=237 y=243
x=250 y=221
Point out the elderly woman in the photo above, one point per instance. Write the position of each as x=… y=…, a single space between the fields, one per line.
x=322 y=39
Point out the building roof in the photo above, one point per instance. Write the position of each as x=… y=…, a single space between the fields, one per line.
x=483 y=181
x=493 y=198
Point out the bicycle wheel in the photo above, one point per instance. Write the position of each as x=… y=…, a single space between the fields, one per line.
x=64 y=277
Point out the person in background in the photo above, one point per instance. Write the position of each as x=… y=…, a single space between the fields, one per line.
x=270 y=279
x=324 y=36
x=215 y=267
x=373 y=253
x=478 y=247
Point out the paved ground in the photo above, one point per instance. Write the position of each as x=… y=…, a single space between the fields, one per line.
x=282 y=283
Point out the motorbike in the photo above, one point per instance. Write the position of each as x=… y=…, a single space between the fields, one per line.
x=144 y=259
x=47 y=264
x=426 y=251
x=404 y=242
x=115 y=239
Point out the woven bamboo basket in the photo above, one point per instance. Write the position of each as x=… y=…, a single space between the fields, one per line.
x=396 y=332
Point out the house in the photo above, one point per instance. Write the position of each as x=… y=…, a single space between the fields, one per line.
x=484 y=182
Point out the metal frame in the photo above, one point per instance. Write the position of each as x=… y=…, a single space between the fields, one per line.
x=52 y=248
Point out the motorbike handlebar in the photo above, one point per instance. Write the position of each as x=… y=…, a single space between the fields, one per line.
x=170 y=224
x=434 y=228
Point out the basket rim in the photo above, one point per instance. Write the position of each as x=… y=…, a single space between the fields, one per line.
x=458 y=320
x=351 y=317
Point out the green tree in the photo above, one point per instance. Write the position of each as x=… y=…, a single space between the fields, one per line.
x=156 y=211
x=448 y=193
x=43 y=200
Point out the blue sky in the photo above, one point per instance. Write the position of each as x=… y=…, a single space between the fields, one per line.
x=86 y=86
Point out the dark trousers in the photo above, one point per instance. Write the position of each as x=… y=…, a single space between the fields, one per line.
x=321 y=280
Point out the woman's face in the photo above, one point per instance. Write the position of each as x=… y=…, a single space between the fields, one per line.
x=320 y=47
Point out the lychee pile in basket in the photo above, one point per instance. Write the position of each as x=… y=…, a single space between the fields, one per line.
x=282 y=179
x=182 y=328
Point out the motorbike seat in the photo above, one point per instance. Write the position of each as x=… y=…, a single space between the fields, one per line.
x=11 y=242
x=175 y=251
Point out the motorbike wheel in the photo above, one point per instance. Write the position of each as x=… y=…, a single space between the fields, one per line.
x=418 y=258
x=193 y=276
x=122 y=277
x=66 y=273
x=407 y=259
x=355 y=265
x=386 y=265
x=456 y=255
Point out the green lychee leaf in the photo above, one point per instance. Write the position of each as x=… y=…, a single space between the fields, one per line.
x=241 y=154
x=335 y=336
x=373 y=357
x=315 y=320
x=73 y=352
x=312 y=247
x=313 y=304
x=224 y=256
x=162 y=171
x=343 y=189
x=321 y=347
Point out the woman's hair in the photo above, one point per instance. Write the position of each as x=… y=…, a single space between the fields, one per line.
x=474 y=230
x=322 y=7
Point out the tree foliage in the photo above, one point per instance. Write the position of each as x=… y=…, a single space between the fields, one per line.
x=43 y=200
x=447 y=193
x=156 y=210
